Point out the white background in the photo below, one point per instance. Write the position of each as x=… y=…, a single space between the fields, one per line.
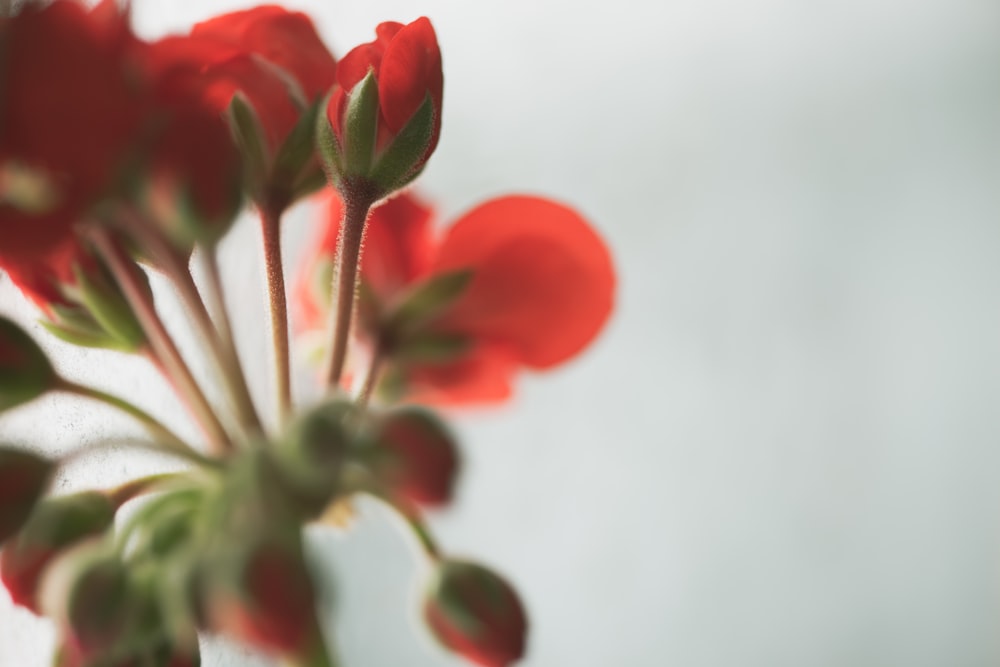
x=785 y=449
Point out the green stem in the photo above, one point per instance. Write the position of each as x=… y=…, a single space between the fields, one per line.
x=270 y=219
x=223 y=354
x=222 y=341
x=156 y=428
x=165 y=353
x=137 y=487
x=371 y=380
x=415 y=522
x=352 y=232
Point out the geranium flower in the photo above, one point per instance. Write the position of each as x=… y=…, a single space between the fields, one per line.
x=540 y=286
x=275 y=64
x=58 y=63
x=387 y=89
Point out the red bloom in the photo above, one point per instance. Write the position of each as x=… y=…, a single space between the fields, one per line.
x=286 y=39
x=273 y=57
x=57 y=62
x=476 y=614
x=541 y=288
x=405 y=62
x=416 y=458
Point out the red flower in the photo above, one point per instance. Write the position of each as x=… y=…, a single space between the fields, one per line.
x=270 y=603
x=271 y=56
x=61 y=62
x=477 y=614
x=541 y=288
x=415 y=457
x=286 y=39
x=405 y=63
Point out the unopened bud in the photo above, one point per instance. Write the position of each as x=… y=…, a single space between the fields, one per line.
x=54 y=526
x=415 y=457
x=477 y=614
x=262 y=594
x=23 y=478
x=25 y=371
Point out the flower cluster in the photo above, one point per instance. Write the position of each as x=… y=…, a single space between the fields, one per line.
x=120 y=157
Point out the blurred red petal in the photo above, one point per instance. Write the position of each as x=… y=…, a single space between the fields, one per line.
x=543 y=282
x=287 y=39
x=480 y=376
x=398 y=244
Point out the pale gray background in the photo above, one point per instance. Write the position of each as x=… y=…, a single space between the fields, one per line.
x=785 y=450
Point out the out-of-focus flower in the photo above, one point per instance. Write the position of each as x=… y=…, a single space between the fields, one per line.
x=476 y=614
x=265 y=67
x=517 y=282
x=55 y=525
x=414 y=457
x=57 y=62
x=23 y=477
x=260 y=593
x=283 y=38
x=384 y=117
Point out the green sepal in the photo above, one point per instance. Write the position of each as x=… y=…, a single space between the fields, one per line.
x=76 y=326
x=403 y=159
x=295 y=158
x=328 y=147
x=426 y=300
x=360 y=126
x=110 y=310
x=431 y=348
x=248 y=133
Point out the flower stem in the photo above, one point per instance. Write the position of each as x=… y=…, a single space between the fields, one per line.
x=352 y=232
x=165 y=351
x=270 y=221
x=415 y=522
x=221 y=350
x=371 y=380
x=224 y=344
x=156 y=428
x=137 y=487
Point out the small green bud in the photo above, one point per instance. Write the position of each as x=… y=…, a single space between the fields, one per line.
x=23 y=478
x=25 y=371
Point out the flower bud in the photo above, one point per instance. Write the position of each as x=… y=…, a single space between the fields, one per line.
x=415 y=457
x=383 y=120
x=311 y=454
x=25 y=371
x=261 y=594
x=476 y=614
x=54 y=525
x=89 y=593
x=23 y=478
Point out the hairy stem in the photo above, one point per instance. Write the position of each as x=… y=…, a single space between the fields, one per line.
x=161 y=434
x=270 y=219
x=221 y=350
x=165 y=353
x=352 y=232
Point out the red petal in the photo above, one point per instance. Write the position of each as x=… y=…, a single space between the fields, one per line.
x=287 y=39
x=397 y=247
x=411 y=69
x=481 y=376
x=543 y=282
